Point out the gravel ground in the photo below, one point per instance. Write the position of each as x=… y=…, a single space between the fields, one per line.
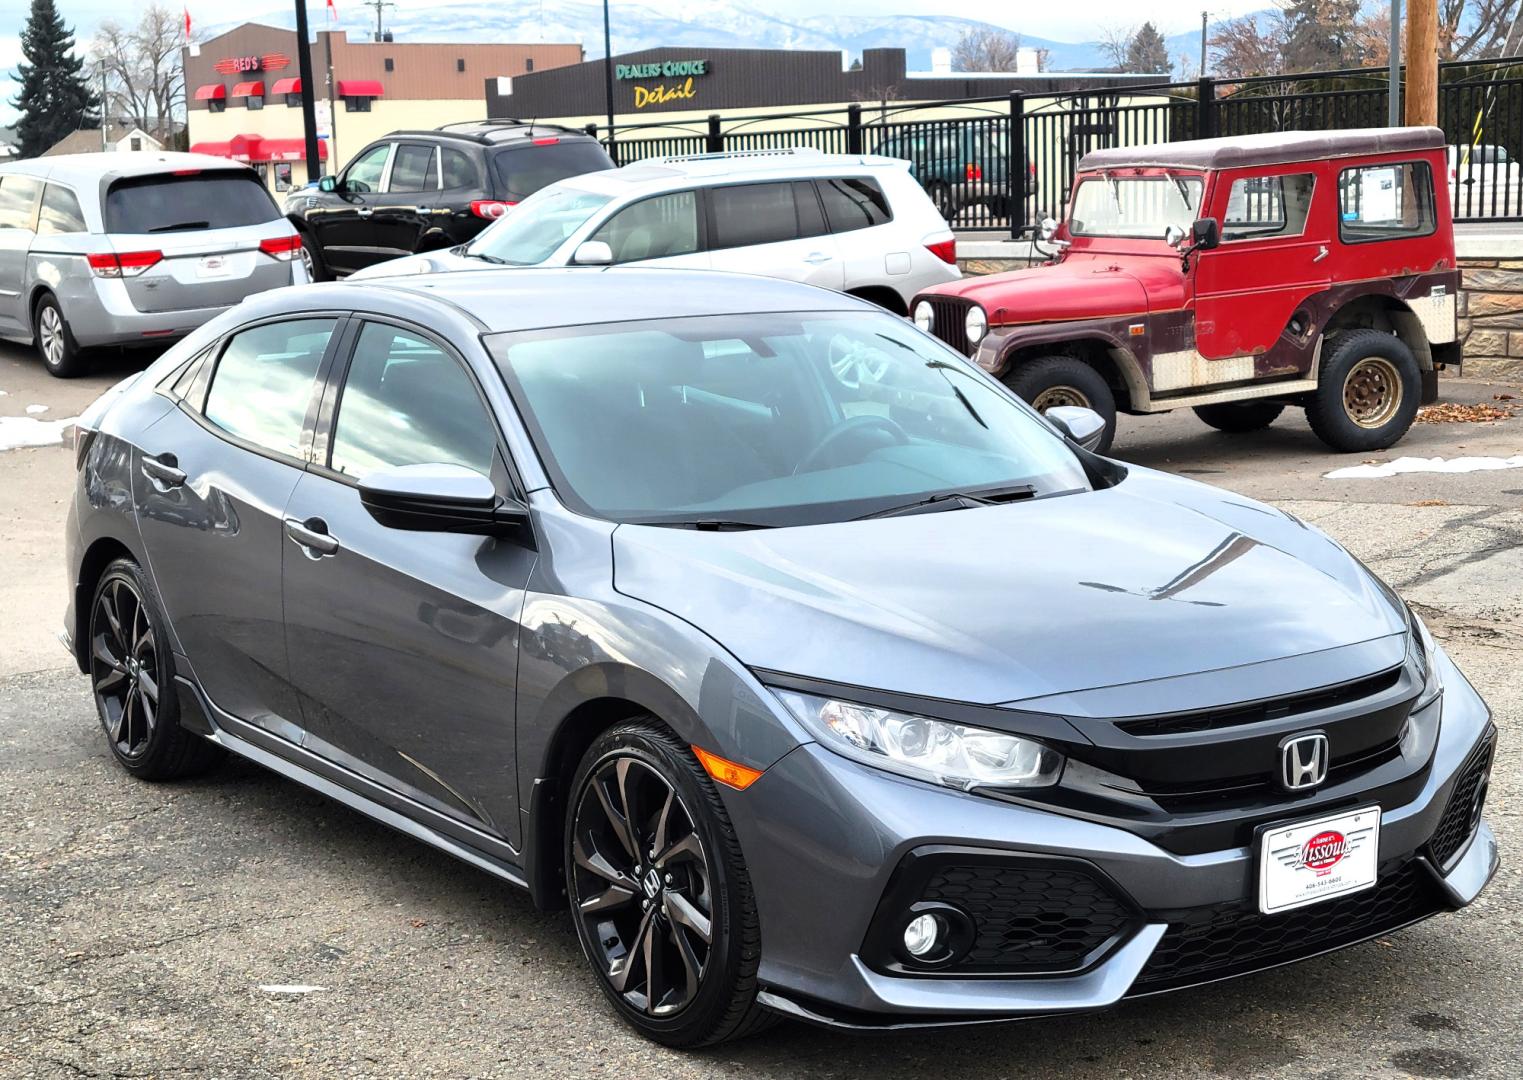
x=142 y=922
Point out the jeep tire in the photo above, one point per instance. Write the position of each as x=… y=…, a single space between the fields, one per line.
x=1065 y=380
x=1367 y=392
x=1235 y=418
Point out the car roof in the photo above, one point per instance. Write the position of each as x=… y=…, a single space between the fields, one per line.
x=797 y=163
x=494 y=132
x=81 y=169
x=1270 y=148
x=504 y=299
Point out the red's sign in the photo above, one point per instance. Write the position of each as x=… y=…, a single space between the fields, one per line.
x=239 y=65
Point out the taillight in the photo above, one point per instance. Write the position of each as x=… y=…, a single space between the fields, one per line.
x=284 y=248
x=548 y=140
x=491 y=209
x=973 y=171
x=121 y=264
x=945 y=250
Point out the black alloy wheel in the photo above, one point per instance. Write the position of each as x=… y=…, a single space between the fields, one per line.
x=132 y=680
x=661 y=901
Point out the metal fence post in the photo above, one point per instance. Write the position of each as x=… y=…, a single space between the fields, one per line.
x=1205 y=109
x=1015 y=168
x=714 y=144
x=854 y=128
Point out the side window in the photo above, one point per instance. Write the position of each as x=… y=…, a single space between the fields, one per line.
x=364 y=172
x=60 y=212
x=413 y=170
x=18 y=198
x=406 y=402
x=459 y=170
x=752 y=214
x=854 y=204
x=653 y=228
x=263 y=383
x=1265 y=206
x=1385 y=202
x=190 y=387
x=807 y=202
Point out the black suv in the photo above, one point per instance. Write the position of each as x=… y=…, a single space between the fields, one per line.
x=424 y=190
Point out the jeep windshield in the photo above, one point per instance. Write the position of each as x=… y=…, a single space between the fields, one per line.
x=767 y=420
x=1134 y=207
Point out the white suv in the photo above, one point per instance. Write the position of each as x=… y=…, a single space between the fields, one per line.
x=854 y=223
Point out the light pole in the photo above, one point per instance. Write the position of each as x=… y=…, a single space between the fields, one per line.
x=308 y=107
x=1393 y=77
x=1204 y=15
x=608 y=69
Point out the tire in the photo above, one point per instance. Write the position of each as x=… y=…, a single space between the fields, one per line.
x=1065 y=380
x=700 y=874
x=317 y=269
x=132 y=680
x=1236 y=419
x=61 y=354
x=942 y=198
x=1367 y=392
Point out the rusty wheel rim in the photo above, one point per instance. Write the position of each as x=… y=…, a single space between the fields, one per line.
x=1372 y=392
x=1054 y=396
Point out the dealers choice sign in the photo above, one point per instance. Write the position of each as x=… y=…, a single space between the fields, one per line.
x=676 y=80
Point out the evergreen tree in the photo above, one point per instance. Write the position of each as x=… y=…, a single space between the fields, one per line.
x=1319 y=34
x=55 y=99
x=1147 y=52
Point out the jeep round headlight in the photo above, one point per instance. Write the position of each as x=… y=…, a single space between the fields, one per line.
x=954 y=755
x=976 y=324
x=923 y=317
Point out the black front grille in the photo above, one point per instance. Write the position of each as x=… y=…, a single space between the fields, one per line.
x=1260 y=711
x=1231 y=939
x=1031 y=918
x=949 y=319
x=1463 y=813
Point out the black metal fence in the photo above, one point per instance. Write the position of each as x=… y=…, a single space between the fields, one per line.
x=1002 y=163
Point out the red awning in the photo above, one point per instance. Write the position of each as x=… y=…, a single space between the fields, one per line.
x=211 y=92
x=359 y=88
x=289 y=150
x=249 y=89
x=216 y=149
x=244 y=147
x=285 y=86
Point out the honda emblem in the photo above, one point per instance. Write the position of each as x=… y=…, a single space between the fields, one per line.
x=1303 y=761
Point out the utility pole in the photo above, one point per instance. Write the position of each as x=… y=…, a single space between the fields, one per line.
x=105 y=110
x=1393 y=75
x=608 y=72
x=1422 y=63
x=378 y=5
x=308 y=105
x=1204 y=15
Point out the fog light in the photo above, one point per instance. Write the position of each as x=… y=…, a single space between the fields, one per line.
x=923 y=935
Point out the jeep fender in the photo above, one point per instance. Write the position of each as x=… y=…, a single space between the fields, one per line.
x=1103 y=342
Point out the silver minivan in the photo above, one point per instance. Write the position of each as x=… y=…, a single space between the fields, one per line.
x=132 y=248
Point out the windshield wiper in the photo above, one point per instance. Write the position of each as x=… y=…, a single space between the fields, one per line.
x=483 y=256
x=987 y=497
x=712 y=525
x=181 y=225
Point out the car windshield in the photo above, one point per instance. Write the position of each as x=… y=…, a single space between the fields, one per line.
x=1136 y=207
x=772 y=419
x=531 y=231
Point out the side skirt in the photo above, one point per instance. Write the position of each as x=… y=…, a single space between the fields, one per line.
x=396 y=811
x=1237 y=393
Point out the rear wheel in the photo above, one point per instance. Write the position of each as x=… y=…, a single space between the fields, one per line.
x=659 y=890
x=1238 y=418
x=1065 y=380
x=1367 y=392
x=312 y=260
x=943 y=199
x=132 y=680
x=61 y=354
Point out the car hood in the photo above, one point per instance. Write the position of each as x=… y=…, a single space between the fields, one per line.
x=1154 y=578
x=431 y=262
x=1080 y=287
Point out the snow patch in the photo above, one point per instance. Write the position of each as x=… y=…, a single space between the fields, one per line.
x=36 y=410
x=1425 y=465
x=19 y=431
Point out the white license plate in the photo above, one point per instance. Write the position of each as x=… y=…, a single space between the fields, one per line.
x=1309 y=861
x=213 y=266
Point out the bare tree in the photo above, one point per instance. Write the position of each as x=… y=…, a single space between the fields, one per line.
x=1476 y=29
x=145 y=82
x=986 y=48
x=1115 y=42
x=1249 y=46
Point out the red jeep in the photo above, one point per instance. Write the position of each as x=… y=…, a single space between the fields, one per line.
x=1235 y=277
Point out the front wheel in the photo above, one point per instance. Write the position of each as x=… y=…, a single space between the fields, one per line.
x=659 y=890
x=1066 y=380
x=312 y=260
x=1367 y=392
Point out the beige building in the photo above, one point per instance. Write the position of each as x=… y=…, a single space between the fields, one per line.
x=244 y=92
x=91 y=141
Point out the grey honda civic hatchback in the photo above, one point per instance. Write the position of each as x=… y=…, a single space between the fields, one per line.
x=811 y=670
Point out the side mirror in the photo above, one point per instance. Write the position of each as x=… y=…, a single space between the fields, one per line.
x=1205 y=234
x=1173 y=236
x=328 y=184
x=593 y=253
x=438 y=498
x=1048 y=228
x=1084 y=426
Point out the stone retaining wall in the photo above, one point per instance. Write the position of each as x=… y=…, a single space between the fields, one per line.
x=1491 y=316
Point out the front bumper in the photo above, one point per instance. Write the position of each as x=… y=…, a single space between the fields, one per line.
x=825 y=837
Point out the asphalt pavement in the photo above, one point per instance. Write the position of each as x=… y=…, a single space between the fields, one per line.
x=240 y=926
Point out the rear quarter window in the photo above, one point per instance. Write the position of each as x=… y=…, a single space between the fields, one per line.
x=523 y=170
x=205 y=200
x=854 y=204
x=1386 y=202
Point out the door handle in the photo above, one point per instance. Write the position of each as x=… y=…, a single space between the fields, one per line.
x=365 y=211
x=1321 y=253
x=164 y=470
x=312 y=535
x=815 y=258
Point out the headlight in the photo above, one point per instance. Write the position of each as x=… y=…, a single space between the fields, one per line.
x=923 y=317
x=1425 y=651
x=954 y=755
x=976 y=324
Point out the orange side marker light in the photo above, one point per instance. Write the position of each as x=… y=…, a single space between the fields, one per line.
x=725 y=772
